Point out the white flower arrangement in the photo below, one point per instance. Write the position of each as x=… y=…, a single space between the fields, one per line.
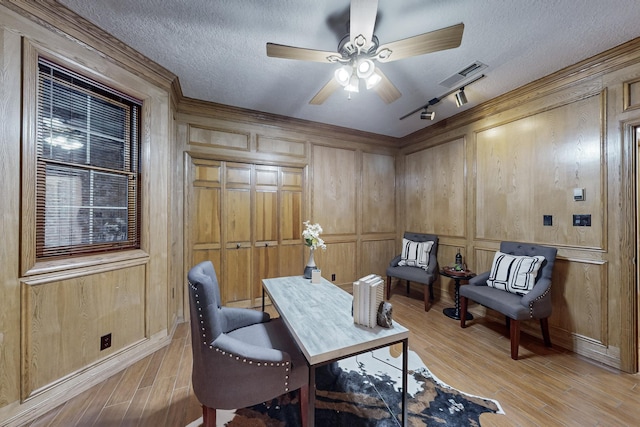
x=311 y=236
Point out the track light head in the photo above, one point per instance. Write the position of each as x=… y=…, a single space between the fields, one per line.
x=427 y=115
x=461 y=98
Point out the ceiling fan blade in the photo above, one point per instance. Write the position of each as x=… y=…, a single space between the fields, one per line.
x=363 y=21
x=325 y=92
x=445 y=38
x=289 y=52
x=385 y=89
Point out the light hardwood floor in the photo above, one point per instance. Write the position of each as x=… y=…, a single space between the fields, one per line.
x=546 y=387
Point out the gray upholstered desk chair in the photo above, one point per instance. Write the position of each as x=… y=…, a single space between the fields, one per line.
x=241 y=357
x=536 y=304
x=425 y=276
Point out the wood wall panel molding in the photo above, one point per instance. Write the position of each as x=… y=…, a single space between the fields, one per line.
x=219 y=138
x=289 y=147
x=529 y=167
x=10 y=102
x=378 y=189
x=631 y=95
x=434 y=186
x=372 y=252
x=340 y=259
x=334 y=189
x=65 y=319
x=274 y=125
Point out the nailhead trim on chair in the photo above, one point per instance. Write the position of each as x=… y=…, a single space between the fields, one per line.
x=251 y=362
x=244 y=360
x=537 y=299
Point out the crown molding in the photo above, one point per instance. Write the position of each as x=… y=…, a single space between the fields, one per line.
x=57 y=18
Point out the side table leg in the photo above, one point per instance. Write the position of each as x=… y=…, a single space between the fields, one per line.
x=454 y=312
x=457 y=298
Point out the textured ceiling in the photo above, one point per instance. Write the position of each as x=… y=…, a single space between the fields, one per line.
x=217 y=49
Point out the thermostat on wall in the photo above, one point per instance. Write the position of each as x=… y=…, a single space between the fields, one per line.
x=578 y=194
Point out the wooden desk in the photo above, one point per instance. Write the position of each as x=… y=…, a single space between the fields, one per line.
x=319 y=319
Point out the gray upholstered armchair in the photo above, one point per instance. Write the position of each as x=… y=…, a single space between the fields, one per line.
x=241 y=357
x=412 y=272
x=515 y=302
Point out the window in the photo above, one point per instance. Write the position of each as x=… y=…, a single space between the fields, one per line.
x=87 y=165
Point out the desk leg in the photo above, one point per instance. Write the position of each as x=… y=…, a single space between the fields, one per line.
x=262 y=299
x=405 y=382
x=311 y=410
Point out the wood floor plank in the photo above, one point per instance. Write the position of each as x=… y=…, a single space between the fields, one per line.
x=155 y=412
x=133 y=417
x=100 y=398
x=130 y=381
x=171 y=361
x=111 y=415
x=75 y=408
x=177 y=411
x=152 y=369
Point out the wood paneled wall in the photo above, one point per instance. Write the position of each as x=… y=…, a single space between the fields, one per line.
x=349 y=191
x=518 y=158
x=54 y=312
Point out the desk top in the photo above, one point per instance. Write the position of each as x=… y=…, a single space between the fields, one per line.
x=319 y=318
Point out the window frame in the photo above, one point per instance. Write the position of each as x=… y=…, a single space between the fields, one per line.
x=83 y=88
x=120 y=80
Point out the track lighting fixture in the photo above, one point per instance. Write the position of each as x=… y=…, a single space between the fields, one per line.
x=427 y=115
x=461 y=98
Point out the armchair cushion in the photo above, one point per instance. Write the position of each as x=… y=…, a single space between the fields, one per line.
x=415 y=254
x=513 y=273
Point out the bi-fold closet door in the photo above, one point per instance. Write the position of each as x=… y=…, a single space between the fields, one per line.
x=247 y=219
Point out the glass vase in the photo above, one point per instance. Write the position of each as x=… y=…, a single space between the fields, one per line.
x=311 y=265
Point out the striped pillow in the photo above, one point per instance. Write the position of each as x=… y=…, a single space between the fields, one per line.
x=515 y=274
x=415 y=254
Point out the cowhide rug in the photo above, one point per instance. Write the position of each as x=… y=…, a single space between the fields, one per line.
x=364 y=391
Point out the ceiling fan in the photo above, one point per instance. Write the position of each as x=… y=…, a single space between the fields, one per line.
x=359 y=50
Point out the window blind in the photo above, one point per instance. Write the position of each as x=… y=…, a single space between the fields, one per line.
x=87 y=172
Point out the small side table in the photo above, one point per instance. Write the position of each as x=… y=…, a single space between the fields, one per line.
x=457 y=276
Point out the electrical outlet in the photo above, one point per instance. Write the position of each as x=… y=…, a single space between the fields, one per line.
x=333 y=277
x=547 y=220
x=105 y=341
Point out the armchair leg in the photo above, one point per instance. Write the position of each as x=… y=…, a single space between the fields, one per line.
x=408 y=288
x=208 y=416
x=304 y=404
x=544 y=325
x=388 y=287
x=514 y=332
x=464 y=302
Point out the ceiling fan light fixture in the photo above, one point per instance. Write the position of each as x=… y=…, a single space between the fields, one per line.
x=343 y=75
x=354 y=83
x=373 y=80
x=365 y=68
x=461 y=98
x=428 y=115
